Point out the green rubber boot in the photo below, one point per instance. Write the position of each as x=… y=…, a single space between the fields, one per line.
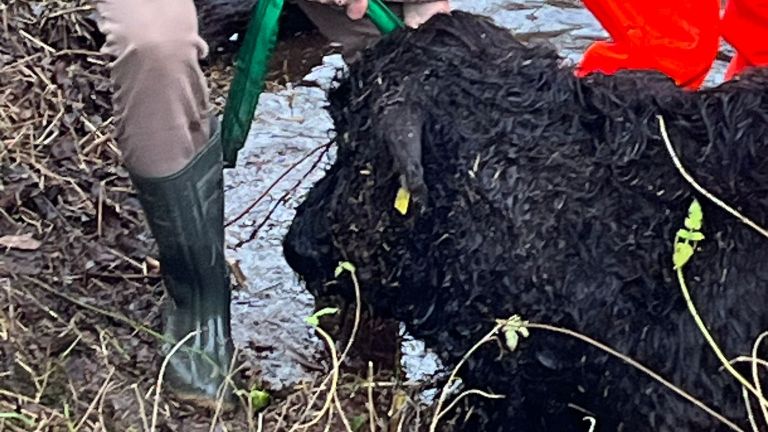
x=185 y=212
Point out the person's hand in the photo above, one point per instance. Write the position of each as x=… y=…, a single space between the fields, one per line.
x=356 y=9
x=416 y=14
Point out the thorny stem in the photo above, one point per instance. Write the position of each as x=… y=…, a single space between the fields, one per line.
x=140 y=401
x=16 y=416
x=221 y=391
x=99 y=396
x=125 y=320
x=342 y=416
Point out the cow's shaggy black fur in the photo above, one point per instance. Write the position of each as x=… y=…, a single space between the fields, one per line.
x=551 y=197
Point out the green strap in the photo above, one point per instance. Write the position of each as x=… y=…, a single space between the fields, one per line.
x=252 y=65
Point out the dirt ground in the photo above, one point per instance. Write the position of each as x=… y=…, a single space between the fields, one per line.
x=80 y=292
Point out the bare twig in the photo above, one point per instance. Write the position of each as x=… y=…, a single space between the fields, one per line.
x=99 y=396
x=343 y=416
x=750 y=414
x=468 y=393
x=159 y=385
x=700 y=188
x=295 y=165
x=755 y=375
x=334 y=376
x=142 y=412
x=282 y=199
x=371 y=409
x=444 y=392
x=634 y=363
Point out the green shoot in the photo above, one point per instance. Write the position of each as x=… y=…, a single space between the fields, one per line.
x=687 y=238
x=512 y=329
x=686 y=241
x=344 y=266
x=257 y=399
x=314 y=320
x=16 y=416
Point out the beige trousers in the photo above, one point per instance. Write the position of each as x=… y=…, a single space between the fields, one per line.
x=161 y=99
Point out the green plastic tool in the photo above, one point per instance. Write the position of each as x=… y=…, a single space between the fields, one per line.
x=382 y=17
x=252 y=65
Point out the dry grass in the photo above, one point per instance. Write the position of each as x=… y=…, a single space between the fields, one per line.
x=79 y=289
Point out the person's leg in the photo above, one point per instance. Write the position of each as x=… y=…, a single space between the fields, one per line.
x=170 y=146
x=745 y=27
x=677 y=38
x=161 y=97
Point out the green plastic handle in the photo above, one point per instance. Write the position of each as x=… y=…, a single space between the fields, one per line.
x=252 y=65
x=383 y=17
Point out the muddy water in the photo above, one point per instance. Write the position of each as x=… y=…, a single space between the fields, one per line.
x=269 y=311
x=290 y=123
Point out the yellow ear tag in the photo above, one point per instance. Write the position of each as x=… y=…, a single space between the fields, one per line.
x=402 y=200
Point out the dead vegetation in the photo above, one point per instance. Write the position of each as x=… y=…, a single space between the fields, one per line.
x=79 y=289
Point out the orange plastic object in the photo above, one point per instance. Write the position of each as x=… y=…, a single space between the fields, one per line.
x=745 y=27
x=678 y=38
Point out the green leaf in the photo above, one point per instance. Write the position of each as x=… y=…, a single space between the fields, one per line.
x=348 y=266
x=513 y=328
x=344 y=266
x=358 y=422
x=511 y=338
x=683 y=253
x=690 y=235
x=326 y=311
x=259 y=399
x=314 y=320
x=695 y=216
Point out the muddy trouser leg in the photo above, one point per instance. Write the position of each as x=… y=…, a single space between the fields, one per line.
x=333 y=23
x=170 y=145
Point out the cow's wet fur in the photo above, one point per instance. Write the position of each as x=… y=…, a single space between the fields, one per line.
x=540 y=194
